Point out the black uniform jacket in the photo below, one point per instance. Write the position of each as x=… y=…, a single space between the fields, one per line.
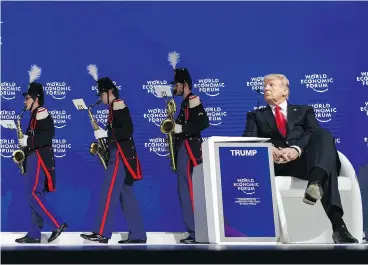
x=120 y=130
x=41 y=131
x=194 y=119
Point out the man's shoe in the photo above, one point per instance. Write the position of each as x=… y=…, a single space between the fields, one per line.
x=133 y=241
x=56 y=233
x=313 y=193
x=188 y=240
x=95 y=238
x=343 y=236
x=27 y=240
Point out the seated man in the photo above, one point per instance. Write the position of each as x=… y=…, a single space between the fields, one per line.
x=301 y=149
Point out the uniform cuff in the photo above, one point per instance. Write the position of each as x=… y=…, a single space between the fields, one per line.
x=178 y=128
x=297 y=148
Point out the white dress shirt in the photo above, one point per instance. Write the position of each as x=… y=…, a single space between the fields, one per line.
x=283 y=109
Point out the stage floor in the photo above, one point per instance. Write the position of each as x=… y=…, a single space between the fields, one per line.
x=189 y=254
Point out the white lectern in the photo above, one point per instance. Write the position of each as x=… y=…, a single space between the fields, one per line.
x=235 y=201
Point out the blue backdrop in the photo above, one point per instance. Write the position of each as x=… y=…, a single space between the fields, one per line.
x=227 y=46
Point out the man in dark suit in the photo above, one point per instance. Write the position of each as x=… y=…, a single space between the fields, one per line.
x=301 y=149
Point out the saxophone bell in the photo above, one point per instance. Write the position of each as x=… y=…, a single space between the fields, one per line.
x=168 y=125
x=93 y=149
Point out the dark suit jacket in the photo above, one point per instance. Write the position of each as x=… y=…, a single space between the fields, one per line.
x=301 y=123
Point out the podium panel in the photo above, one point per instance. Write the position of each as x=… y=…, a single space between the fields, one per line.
x=236 y=200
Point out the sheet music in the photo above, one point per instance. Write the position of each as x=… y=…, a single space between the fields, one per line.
x=163 y=90
x=80 y=104
x=9 y=124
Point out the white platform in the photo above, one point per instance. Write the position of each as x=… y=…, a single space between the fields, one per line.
x=73 y=238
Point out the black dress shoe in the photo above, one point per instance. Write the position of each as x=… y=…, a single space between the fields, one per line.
x=132 y=241
x=95 y=238
x=56 y=233
x=27 y=240
x=313 y=193
x=188 y=240
x=343 y=236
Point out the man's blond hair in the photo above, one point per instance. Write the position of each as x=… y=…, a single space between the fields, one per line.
x=281 y=77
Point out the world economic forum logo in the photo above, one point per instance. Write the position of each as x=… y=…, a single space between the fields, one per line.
x=9 y=90
x=60 y=118
x=215 y=115
x=209 y=86
x=8 y=115
x=61 y=147
x=101 y=117
x=155 y=115
x=256 y=83
x=246 y=185
x=318 y=82
x=323 y=111
x=157 y=145
x=364 y=108
x=151 y=86
x=363 y=78
x=7 y=147
x=57 y=90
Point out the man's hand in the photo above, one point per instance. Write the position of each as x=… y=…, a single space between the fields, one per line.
x=277 y=155
x=100 y=133
x=289 y=154
x=23 y=141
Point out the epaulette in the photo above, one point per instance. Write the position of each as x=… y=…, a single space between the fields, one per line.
x=194 y=101
x=42 y=113
x=118 y=104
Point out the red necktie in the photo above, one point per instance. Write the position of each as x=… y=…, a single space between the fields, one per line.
x=280 y=121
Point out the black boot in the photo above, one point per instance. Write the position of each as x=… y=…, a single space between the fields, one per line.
x=95 y=238
x=342 y=236
x=56 y=233
x=132 y=241
x=188 y=240
x=27 y=240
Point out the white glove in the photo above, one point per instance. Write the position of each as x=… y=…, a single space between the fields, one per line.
x=100 y=133
x=23 y=141
x=178 y=128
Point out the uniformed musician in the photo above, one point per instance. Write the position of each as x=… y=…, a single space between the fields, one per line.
x=122 y=171
x=192 y=119
x=39 y=163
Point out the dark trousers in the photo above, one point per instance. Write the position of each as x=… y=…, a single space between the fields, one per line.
x=114 y=190
x=40 y=210
x=185 y=169
x=321 y=153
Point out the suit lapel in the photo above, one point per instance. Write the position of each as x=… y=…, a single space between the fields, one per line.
x=292 y=114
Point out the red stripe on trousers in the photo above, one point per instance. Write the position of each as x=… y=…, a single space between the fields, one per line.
x=131 y=171
x=48 y=176
x=37 y=199
x=190 y=184
x=191 y=153
x=108 y=200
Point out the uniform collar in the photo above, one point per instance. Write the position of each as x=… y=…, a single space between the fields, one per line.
x=187 y=97
x=112 y=102
x=35 y=110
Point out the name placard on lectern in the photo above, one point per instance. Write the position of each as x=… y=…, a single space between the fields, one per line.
x=236 y=200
